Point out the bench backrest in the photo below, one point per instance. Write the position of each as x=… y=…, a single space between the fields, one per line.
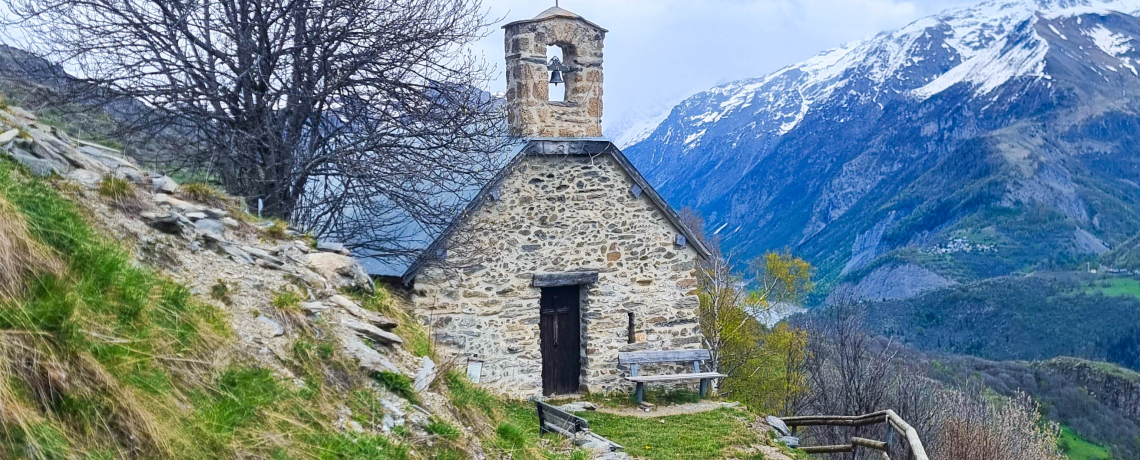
x=553 y=419
x=663 y=356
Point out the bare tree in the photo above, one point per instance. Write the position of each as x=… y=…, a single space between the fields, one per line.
x=362 y=120
x=854 y=373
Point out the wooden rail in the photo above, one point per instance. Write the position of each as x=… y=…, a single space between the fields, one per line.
x=917 y=452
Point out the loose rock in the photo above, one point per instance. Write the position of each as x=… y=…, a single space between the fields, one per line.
x=372 y=333
x=165 y=185
x=371 y=317
x=425 y=375
x=342 y=271
x=778 y=425
x=326 y=246
x=278 y=330
x=8 y=135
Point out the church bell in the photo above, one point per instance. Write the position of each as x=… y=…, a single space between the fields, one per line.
x=556 y=68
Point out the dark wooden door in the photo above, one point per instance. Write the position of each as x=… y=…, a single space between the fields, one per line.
x=561 y=334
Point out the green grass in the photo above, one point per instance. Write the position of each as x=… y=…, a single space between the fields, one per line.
x=117 y=330
x=442 y=429
x=277 y=230
x=126 y=356
x=203 y=193
x=415 y=335
x=1076 y=448
x=707 y=435
x=1115 y=287
x=515 y=423
x=399 y=384
x=220 y=291
x=656 y=396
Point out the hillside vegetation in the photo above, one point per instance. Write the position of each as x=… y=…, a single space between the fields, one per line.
x=120 y=341
x=1022 y=318
x=130 y=327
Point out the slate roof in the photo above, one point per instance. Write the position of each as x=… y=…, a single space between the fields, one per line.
x=557 y=147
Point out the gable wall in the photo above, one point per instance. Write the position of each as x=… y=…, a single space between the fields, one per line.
x=558 y=214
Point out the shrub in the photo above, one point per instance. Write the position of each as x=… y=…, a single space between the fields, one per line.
x=976 y=429
x=206 y=194
x=221 y=292
x=277 y=230
x=287 y=307
x=122 y=193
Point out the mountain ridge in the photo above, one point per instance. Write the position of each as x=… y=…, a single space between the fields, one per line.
x=902 y=150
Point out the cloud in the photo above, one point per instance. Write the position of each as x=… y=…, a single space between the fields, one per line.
x=660 y=51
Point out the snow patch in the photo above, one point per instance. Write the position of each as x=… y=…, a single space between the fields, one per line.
x=693 y=138
x=1112 y=43
x=640 y=131
x=993 y=67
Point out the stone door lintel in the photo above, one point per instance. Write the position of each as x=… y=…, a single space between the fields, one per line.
x=542 y=280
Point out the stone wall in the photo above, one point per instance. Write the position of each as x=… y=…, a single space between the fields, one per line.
x=558 y=214
x=529 y=112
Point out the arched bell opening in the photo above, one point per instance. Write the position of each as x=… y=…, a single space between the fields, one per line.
x=560 y=69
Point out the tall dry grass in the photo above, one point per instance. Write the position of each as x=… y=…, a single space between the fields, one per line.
x=21 y=256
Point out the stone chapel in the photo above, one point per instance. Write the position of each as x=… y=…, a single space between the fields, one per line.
x=568 y=256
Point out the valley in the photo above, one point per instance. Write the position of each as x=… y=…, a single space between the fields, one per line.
x=942 y=219
x=971 y=178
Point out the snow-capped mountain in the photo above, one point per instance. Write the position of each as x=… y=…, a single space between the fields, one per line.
x=917 y=158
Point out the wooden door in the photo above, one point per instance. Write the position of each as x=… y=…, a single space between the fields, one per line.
x=560 y=328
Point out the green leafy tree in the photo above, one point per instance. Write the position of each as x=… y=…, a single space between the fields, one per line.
x=765 y=367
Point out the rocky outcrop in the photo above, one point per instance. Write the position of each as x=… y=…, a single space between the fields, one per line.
x=901 y=281
x=209 y=250
x=1114 y=386
x=340 y=270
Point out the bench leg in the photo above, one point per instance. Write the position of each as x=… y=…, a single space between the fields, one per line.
x=704 y=387
x=640 y=392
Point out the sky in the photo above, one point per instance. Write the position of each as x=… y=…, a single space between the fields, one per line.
x=659 y=52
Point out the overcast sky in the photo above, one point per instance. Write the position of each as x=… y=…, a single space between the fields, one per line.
x=661 y=51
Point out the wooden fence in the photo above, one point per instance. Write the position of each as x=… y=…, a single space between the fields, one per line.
x=897 y=424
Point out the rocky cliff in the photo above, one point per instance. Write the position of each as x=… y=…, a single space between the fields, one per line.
x=1115 y=387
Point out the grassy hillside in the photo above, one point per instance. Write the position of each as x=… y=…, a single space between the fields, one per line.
x=103 y=358
x=1077 y=448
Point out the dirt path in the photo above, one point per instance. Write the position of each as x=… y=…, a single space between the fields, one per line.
x=665 y=411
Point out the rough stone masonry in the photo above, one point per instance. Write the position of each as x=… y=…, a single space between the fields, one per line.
x=530 y=113
x=558 y=214
x=565 y=208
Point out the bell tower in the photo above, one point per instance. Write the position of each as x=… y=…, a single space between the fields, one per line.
x=555 y=45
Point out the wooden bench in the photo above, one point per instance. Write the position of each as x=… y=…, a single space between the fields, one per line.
x=636 y=358
x=554 y=420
